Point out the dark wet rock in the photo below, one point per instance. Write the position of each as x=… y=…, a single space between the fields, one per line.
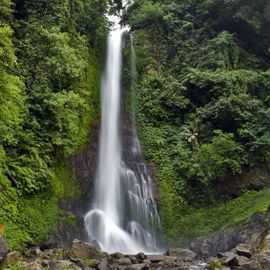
x=225 y=240
x=51 y=242
x=134 y=260
x=228 y=258
x=124 y=261
x=231 y=261
x=117 y=255
x=104 y=265
x=250 y=179
x=36 y=250
x=83 y=250
x=83 y=164
x=82 y=265
x=244 y=250
x=156 y=258
x=183 y=254
x=140 y=266
x=140 y=256
x=225 y=255
x=3 y=249
x=241 y=260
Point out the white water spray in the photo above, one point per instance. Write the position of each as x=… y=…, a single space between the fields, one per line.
x=123 y=216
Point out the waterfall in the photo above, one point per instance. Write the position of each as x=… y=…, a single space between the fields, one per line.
x=123 y=216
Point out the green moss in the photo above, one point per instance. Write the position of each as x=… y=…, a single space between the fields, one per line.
x=33 y=217
x=15 y=266
x=70 y=219
x=90 y=263
x=215 y=264
x=30 y=218
x=200 y=222
x=91 y=84
x=48 y=109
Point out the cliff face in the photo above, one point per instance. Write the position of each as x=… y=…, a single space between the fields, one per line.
x=83 y=166
x=203 y=109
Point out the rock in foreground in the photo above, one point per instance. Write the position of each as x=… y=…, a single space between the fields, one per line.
x=83 y=250
x=3 y=249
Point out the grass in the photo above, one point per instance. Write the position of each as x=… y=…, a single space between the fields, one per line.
x=224 y=215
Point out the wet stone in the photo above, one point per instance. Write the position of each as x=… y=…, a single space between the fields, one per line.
x=124 y=261
x=117 y=255
x=140 y=266
x=104 y=265
x=244 y=250
x=184 y=254
x=140 y=256
x=134 y=260
x=3 y=249
x=83 y=250
x=156 y=258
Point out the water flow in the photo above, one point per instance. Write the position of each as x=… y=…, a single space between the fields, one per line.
x=124 y=216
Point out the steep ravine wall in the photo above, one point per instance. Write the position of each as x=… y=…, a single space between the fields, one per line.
x=83 y=166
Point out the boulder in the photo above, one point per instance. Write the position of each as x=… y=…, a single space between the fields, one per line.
x=35 y=251
x=64 y=264
x=140 y=256
x=83 y=250
x=104 y=265
x=134 y=260
x=139 y=266
x=184 y=254
x=117 y=255
x=244 y=250
x=228 y=258
x=249 y=266
x=3 y=249
x=263 y=259
x=170 y=262
x=156 y=258
x=124 y=261
x=242 y=260
x=146 y=261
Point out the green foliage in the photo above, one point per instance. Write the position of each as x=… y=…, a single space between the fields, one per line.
x=90 y=263
x=49 y=79
x=221 y=216
x=215 y=159
x=145 y=13
x=15 y=266
x=30 y=218
x=215 y=264
x=202 y=99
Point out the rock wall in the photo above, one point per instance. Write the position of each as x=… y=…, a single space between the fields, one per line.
x=83 y=164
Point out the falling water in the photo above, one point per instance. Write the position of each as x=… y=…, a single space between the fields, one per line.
x=123 y=216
